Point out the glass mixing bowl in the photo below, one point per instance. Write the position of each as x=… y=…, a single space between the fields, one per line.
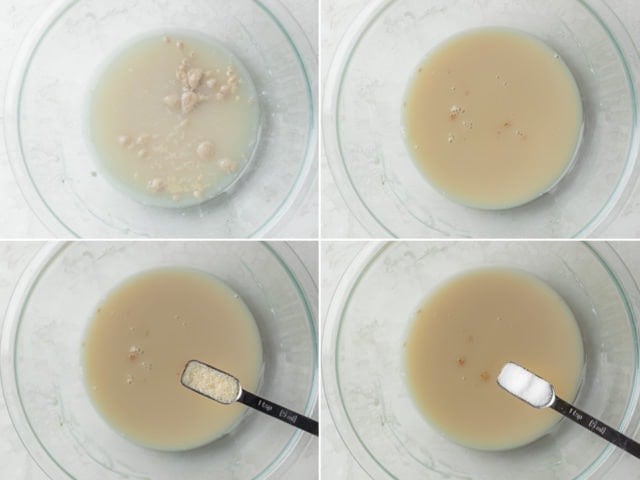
x=42 y=372
x=363 y=359
x=362 y=118
x=52 y=158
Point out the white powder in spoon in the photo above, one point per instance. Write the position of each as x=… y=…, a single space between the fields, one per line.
x=211 y=382
x=526 y=385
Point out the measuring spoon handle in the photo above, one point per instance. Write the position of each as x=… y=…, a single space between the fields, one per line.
x=276 y=411
x=596 y=426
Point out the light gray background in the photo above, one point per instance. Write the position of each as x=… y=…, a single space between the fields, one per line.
x=337 y=221
x=16 y=218
x=336 y=462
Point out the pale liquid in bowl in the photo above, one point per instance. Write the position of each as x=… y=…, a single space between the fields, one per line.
x=138 y=342
x=492 y=118
x=462 y=335
x=174 y=120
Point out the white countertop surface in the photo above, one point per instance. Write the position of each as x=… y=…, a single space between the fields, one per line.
x=337 y=221
x=16 y=218
x=15 y=462
x=336 y=463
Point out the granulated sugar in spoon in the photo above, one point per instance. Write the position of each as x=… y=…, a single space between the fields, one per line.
x=539 y=393
x=224 y=388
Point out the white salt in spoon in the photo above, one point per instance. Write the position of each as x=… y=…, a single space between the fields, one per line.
x=224 y=388
x=539 y=393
